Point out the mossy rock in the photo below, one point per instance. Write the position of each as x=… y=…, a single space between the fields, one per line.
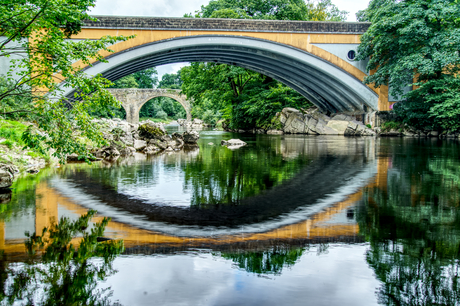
x=150 y=131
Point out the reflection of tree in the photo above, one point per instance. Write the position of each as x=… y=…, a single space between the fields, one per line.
x=222 y=176
x=413 y=226
x=64 y=275
x=266 y=262
x=216 y=174
x=22 y=195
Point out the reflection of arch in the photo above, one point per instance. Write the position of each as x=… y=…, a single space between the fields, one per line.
x=132 y=100
x=323 y=83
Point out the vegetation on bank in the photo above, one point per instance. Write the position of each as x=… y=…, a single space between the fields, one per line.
x=415 y=44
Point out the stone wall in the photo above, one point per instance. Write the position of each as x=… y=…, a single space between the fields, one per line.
x=160 y=23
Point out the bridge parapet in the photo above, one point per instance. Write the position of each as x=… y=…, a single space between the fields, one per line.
x=132 y=100
x=213 y=24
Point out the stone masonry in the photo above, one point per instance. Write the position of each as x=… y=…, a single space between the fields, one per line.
x=132 y=100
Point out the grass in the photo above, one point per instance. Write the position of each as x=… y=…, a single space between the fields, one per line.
x=12 y=131
x=392 y=125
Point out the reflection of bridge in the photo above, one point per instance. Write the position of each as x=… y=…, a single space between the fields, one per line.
x=132 y=100
x=331 y=224
x=313 y=58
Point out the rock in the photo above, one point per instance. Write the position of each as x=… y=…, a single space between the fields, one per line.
x=150 y=149
x=128 y=151
x=211 y=144
x=275 y=132
x=233 y=142
x=162 y=145
x=151 y=130
x=73 y=157
x=139 y=145
x=6 y=178
x=434 y=134
x=197 y=121
x=107 y=152
x=295 y=123
x=191 y=137
x=342 y=117
x=339 y=126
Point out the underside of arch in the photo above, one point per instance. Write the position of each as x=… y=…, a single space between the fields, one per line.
x=177 y=98
x=324 y=84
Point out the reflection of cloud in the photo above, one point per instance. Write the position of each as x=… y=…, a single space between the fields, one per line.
x=339 y=277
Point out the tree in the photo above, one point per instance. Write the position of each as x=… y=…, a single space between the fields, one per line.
x=272 y=9
x=128 y=81
x=170 y=80
x=416 y=43
x=146 y=78
x=36 y=40
x=247 y=99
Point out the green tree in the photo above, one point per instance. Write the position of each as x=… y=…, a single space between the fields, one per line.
x=171 y=80
x=272 y=9
x=244 y=98
x=128 y=81
x=416 y=43
x=41 y=58
x=146 y=78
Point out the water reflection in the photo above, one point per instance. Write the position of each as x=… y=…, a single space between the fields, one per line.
x=64 y=274
x=333 y=222
x=412 y=224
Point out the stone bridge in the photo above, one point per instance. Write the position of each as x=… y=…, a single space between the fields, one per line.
x=132 y=100
x=317 y=59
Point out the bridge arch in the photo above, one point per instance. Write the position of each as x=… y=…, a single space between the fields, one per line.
x=327 y=86
x=132 y=100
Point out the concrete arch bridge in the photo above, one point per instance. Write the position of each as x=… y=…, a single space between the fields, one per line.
x=132 y=100
x=314 y=58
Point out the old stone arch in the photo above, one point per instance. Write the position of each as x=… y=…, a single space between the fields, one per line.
x=132 y=100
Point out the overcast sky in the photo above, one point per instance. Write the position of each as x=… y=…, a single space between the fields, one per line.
x=177 y=8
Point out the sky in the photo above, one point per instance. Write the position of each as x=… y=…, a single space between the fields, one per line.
x=177 y=8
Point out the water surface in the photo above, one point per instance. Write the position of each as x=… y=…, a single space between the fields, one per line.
x=284 y=220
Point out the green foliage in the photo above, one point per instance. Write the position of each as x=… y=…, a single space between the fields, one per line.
x=66 y=274
x=322 y=10
x=126 y=82
x=412 y=225
x=162 y=108
x=41 y=58
x=266 y=262
x=391 y=125
x=245 y=98
x=142 y=79
x=171 y=80
x=416 y=43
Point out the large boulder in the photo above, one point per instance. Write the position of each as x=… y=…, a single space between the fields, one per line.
x=139 y=145
x=191 y=137
x=151 y=130
x=340 y=126
x=295 y=123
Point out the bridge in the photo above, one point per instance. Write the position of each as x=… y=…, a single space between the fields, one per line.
x=314 y=58
x=133 y=99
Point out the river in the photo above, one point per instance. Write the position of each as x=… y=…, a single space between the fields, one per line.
x=284 y=220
